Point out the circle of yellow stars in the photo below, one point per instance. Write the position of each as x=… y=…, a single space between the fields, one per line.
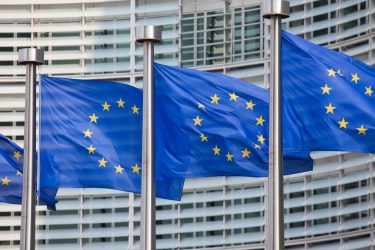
x=216 y=150
x=94 y=118
x=330 y=108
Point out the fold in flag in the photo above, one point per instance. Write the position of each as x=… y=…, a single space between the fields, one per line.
x=213 y=125
x=11 y=164
x=91 y=136
x=328 y=97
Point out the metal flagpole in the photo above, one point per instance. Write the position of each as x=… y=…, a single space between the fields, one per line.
x=275 y=10
x=29 y=57
x=148 y=35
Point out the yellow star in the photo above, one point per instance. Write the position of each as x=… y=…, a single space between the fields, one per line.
x=135 y=109
x=245 y=153
x=233 y=97
x=215 y=99
x=325 y=89
x=120 y=103
x=91 y=149
x=5 y=181
x=200 y=105
x=362 y=130
x=93 y=118
x=197 y=121
x=355 y=78
x=229 y=156
x=261 y=139
x=102 y=162
x=331 y=72
x=369 y=91
x=343 y=123
x=106 y=106
x=17 y=155
x=87 y=133
x=216 y=150
x=203 y=138
x=256 y=146
x=119 y=169
x=260 y=120
x=19 y=173
x=250 y=105
x=330 y=108
x=136 y=168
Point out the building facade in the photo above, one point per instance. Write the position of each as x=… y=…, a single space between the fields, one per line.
x=331 y=207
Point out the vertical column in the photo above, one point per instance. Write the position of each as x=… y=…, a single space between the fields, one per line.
x=275 y=10
x=131 y=205
x=148 y=35
x=80 y=225
x=83 y=38
x=132 y=57
x=29 y=57
x=180 y=9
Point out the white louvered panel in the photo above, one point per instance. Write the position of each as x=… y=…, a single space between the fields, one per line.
x=7 y=116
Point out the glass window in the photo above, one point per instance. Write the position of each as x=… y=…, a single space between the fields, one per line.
x=320 y=32
x=297 y=224
x=320 y=17
x=237 y=48
x=214 y=233
x=321 y=221
x=252 y=31
x=297 y=209
x=321 y=206
x=363 y=6
x=237 y=33
x=320 y=3
x=297 y=8
x=188 y=25
x=297 y=23
x=350 y=25
x=187 y=40
x=238 y=18
x=200 y=37
x=200 y=23
x=252 y=16
x=252 y=45
x=350 y=10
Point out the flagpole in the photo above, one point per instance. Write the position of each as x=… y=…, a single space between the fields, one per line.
x=275 y=10
x=31 y=57
x=148 y=35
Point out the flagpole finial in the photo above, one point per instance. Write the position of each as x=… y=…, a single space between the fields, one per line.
x=276 y=8
x=148 y=33
x=31 y=55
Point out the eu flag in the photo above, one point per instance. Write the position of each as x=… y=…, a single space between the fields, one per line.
x=328 y=97
x=213 y=125
x=11 y=161
x=91 y=135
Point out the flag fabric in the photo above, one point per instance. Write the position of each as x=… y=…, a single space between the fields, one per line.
x=328 y=97
x=91 y=136
x=11 y=170
x=11 y=164
x=209 y=124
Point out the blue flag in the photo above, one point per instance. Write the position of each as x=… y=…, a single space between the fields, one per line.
x=213 y=125
x=328 y=97
x=11 y=170
x=11 y=161
x=90 y=137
